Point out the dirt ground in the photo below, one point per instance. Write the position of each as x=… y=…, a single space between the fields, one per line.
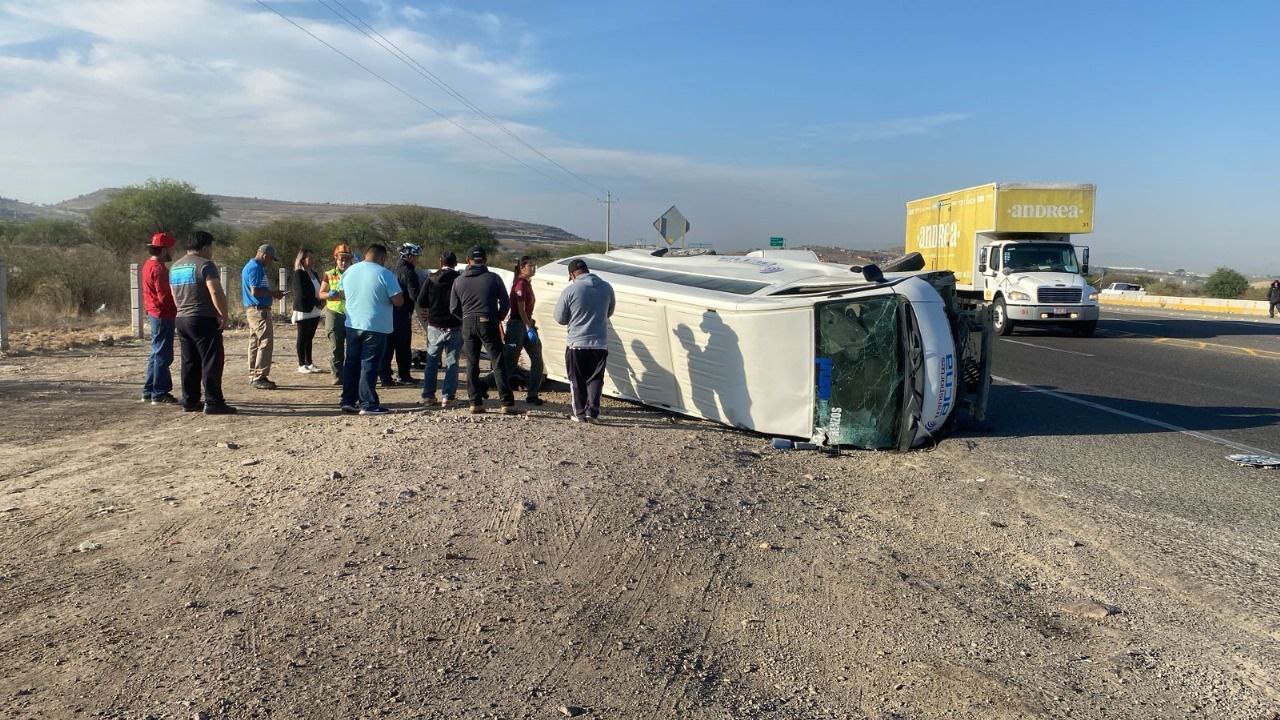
x=430 y=564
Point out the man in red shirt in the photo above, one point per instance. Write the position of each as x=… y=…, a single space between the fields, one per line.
x=157 y=298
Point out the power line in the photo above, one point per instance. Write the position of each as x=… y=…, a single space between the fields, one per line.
x=404 y=57
x=419 y=101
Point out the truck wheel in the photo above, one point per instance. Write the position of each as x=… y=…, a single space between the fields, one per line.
x=1000 y=318
x=1085 y=329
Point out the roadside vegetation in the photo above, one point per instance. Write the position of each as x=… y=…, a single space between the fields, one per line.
x=1225 y=283
x=66 y=273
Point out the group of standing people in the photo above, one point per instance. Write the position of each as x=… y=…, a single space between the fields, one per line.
x=368 y=313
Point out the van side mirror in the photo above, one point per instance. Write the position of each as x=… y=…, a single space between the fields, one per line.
x=1084 y=261
x=982 y=267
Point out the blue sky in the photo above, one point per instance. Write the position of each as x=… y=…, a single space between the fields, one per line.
x=816 y=121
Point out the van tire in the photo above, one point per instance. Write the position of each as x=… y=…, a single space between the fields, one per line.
x=1085 y=329
x=1000 y=318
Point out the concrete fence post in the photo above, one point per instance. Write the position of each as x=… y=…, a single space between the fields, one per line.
x=4 y=305
x=285 y=305
x=137 y=325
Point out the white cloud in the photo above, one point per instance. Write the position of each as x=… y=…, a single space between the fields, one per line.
x=884 y=129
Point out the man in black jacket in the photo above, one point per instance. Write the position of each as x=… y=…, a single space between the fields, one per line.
x=400 y=344
x=444 y=333
x=480 y=299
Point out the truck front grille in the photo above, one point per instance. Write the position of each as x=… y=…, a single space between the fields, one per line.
x=1058 y=295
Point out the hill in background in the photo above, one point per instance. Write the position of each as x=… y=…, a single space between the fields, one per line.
x=17 y=210
x=245 y=212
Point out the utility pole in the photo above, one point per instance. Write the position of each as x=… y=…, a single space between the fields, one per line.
x=608 y=218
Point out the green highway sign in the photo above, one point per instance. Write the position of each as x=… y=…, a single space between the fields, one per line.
x=777 y=242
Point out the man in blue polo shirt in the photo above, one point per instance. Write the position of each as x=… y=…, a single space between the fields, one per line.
x=370 y=291
x=256 y=295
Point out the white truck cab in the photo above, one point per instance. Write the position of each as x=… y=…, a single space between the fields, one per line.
x=1037 y=280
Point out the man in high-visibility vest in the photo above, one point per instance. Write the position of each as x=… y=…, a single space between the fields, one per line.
x=335 y=309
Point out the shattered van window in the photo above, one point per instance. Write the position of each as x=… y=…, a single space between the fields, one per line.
x=859 y=371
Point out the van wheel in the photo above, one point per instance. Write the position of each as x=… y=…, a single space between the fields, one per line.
x=1000 y=318
x=1085 y=329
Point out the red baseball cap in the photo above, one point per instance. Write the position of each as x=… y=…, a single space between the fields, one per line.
x=162 y=240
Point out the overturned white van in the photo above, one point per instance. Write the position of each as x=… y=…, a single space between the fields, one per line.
x=779 y=343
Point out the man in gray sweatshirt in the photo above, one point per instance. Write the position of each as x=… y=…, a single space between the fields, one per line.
x=585 y=307
x=480 y=300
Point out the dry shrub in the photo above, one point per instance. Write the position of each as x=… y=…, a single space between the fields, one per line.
x=50 y=285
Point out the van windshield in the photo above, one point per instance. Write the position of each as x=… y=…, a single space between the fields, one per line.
x=860 y=371
x=1047 y=257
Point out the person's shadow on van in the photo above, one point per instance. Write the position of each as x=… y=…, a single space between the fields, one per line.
x=716 y=371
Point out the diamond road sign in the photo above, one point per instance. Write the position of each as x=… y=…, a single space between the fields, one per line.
x=777 y=242
x=672 y=226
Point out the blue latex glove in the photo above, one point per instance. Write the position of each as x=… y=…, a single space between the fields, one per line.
x=532 y=334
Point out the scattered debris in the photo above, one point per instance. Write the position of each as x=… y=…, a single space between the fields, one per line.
x=769 y=546
x=406 y=495
x=1270 y=462
x=250 y=461
x=572 y=710
x=88 y=546
x=227 y=444
x=335 y=475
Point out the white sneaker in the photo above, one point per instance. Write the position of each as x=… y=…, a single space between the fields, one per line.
x=304 y=370
x=315 y=369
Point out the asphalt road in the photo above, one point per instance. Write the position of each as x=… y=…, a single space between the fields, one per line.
x=1216 y=377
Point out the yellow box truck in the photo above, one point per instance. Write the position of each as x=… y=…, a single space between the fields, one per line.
x=1009 y=246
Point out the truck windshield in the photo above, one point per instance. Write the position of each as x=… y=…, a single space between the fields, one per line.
x=1047 y=257
x=860 y=371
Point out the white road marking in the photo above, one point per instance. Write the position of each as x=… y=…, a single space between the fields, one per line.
x=1046 y=347
x=1140 y=418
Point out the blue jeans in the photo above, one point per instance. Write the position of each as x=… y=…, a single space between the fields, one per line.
x=360 y=367
x=157 y=380
x=446 y=342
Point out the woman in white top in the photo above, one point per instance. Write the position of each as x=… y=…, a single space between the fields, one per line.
x=308 y=308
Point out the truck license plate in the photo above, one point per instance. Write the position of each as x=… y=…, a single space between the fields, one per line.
x=1060 y=311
